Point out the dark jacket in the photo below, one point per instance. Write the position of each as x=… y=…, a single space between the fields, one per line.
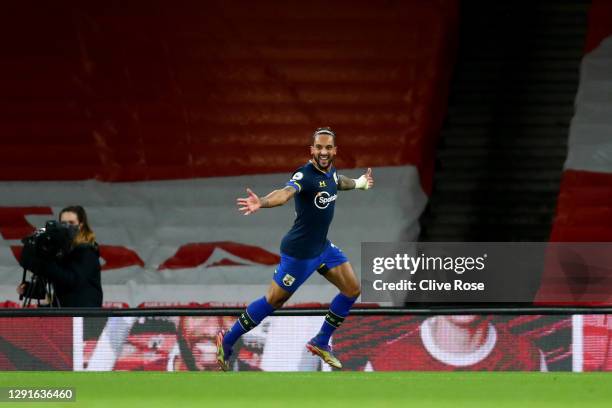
x=76 y=278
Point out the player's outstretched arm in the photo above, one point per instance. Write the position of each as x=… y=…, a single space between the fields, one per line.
x=253 y=203
x=365 y=182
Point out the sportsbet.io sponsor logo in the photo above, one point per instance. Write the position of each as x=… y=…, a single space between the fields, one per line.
x=322 y=199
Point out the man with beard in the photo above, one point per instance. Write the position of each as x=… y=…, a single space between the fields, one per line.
x=305 y=248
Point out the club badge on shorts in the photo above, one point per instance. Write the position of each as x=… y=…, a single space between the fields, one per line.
x=288 y=280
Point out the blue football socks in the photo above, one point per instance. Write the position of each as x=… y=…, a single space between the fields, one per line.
x=338 y=310
x=248 y=320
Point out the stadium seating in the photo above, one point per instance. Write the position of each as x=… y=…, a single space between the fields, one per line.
x=152 y=91
x=584 y=209
x=155 y=116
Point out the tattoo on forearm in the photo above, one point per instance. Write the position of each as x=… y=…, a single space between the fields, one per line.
x=345 y=183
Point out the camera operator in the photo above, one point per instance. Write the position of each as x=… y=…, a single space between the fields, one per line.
x=76 y=275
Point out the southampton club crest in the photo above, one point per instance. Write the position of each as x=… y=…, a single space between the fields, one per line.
x=288 y=280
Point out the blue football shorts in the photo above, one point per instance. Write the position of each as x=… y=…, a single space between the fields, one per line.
x=292 y=272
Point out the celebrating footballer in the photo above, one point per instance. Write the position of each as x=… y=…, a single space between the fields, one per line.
x=305 y=248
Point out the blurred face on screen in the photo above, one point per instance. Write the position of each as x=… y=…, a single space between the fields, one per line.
x=199 y=333
x=323 y=151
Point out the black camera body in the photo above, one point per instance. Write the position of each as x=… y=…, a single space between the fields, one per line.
x=53 y=241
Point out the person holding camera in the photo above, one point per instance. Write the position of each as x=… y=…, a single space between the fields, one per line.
x=72 y=267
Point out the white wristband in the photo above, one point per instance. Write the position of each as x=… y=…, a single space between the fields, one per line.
x=361 y=183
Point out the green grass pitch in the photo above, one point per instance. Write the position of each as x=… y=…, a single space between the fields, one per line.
x=337 y=389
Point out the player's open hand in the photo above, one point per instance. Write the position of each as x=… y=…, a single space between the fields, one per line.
x=369 y=178
x=250 y=204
